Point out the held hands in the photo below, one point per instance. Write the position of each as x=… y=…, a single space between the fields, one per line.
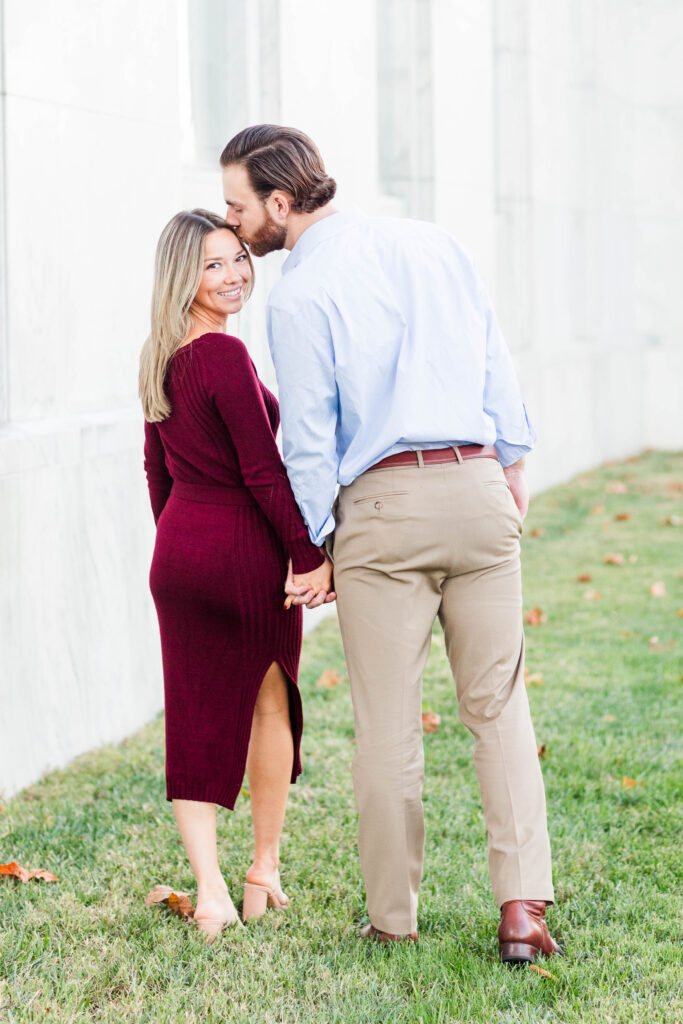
x=310 y=588
x=514 y=475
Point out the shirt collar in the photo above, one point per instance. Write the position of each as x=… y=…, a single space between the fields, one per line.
x=319 y=232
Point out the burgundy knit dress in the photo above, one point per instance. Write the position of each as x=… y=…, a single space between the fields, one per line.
x=227 y=522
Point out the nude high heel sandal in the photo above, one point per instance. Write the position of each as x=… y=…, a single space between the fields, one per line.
x=257 y=898
x=211 y=927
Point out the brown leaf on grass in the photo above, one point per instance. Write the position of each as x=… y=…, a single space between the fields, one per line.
x=535 y=679
x=14 y=870
x=673 y=521
x=538 y=532
x=597 y=509
x=622 y=517
x=592 y=595
x=658 y=590
x=675 y=485
x=41 y=875
x=177 y=902
x=609 y=718
x=535 y=617
x=628 y=783
x=542 y=750
x=542 y=971
x=680 y=613
x=655 y=644
x=585 y=577
x=329 y=679
x=430 y=721
x=613 y=559
x=616 y=487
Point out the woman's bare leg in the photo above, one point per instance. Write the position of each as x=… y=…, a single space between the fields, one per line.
x=269 y=770
x=197 y=824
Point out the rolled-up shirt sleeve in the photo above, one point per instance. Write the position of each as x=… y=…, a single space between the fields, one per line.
x=515 y=436
x=303 y=356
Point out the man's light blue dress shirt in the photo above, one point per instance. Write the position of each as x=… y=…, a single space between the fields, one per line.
x=384 y=340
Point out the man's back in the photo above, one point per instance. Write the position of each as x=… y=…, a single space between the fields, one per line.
x=398 y=339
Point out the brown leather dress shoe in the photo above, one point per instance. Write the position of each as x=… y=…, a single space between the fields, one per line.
x=370 y=932
x=523 y=933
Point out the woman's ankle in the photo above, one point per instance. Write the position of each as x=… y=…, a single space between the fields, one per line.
x=263 y=868
x=212 y=889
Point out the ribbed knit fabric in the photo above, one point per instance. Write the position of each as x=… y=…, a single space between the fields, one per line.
x=226 y=523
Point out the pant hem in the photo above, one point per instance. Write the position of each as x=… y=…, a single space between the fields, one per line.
x=536 y=892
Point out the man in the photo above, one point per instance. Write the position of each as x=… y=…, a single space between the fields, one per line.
x=395 y=382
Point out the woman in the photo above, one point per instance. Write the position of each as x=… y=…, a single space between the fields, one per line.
x=227 y=522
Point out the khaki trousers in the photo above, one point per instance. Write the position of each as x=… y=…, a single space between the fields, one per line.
x=411 y=543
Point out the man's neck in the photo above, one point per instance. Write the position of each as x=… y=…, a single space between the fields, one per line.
x=299 y=222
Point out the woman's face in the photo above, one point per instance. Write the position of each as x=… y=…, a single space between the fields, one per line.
x=225 y=276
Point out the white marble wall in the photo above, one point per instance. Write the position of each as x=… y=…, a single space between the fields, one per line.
x=557 y=158
x=90 y=172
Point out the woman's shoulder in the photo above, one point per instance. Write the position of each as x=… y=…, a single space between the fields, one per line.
x=217 y=343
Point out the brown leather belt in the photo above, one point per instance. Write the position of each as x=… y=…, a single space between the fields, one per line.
x=433 y=456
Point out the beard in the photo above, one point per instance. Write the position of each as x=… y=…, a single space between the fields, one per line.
x=268 y=238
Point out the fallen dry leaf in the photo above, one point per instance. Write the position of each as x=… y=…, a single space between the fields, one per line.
x=597 y=509
x=592 y=595
x=430 y=721
x=616 y=487
x=538 y=532
x=658 y=590
x=41 y=875
x=613 y=559
x=535 y=679
x=585 y=577
x=535 y=617
x=329 y=679
x=14 y=870
x=542 y=971
x=673 y=521
x=177 y=902
x=628 y=783
x=622 y=517
x=542 y=750
x=680 y=613
x=655 y=645
x=609 y=718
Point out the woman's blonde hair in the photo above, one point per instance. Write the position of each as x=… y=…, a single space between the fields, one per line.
x=178 y=269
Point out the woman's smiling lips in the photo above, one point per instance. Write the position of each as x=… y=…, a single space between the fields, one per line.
x=234 y=294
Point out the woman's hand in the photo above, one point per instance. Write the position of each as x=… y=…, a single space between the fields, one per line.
x=310 y=588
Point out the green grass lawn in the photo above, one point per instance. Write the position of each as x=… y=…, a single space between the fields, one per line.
x=87 y=949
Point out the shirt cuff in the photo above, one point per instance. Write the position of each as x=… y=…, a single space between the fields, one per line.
x=305 y=556
x=509 y=453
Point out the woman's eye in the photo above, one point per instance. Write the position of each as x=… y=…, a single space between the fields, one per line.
x=212 y=266
x=241 y=258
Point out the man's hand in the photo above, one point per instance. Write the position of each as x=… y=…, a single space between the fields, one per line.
x=310 y=588
x=516 y=479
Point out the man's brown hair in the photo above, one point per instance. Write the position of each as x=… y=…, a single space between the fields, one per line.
x=283 y=159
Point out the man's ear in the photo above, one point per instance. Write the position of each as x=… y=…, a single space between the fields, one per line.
x=280 y=205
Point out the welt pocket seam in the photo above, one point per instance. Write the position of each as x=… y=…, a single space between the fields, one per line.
x=375 y=497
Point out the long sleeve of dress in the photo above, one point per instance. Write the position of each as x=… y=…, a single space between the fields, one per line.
x=159 y=480
x=234 y=388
